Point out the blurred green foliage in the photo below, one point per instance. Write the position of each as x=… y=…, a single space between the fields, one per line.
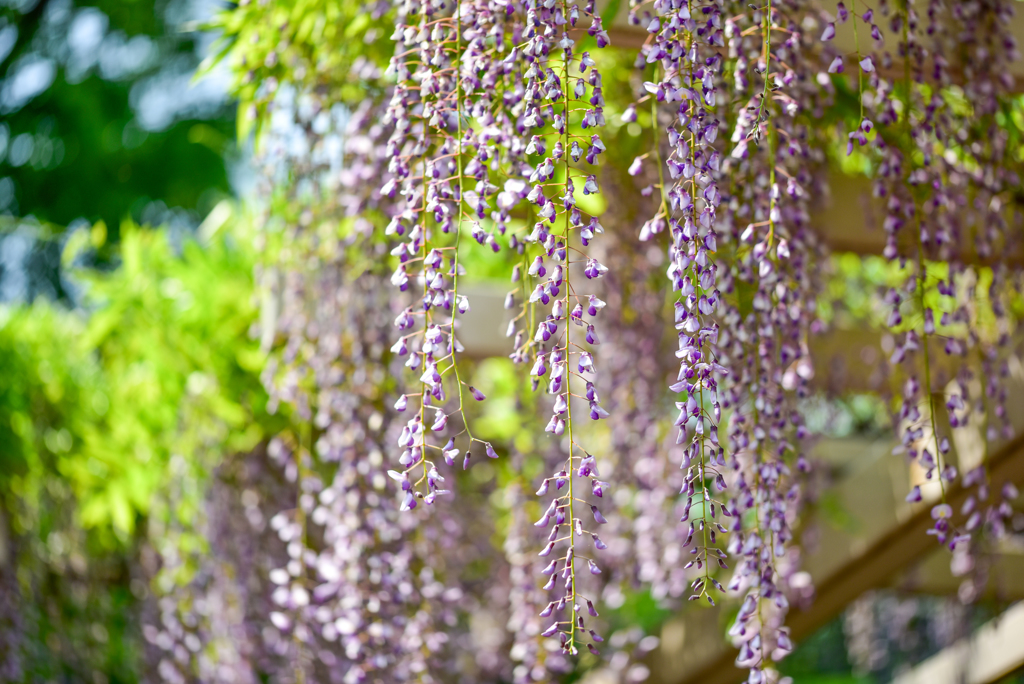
x=87 y=156
x=326 y=46
x=100 y=177
x=95 y=404
x=161 y=364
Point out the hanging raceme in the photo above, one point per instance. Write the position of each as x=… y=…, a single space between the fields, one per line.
x=557 y=84
x=684 y=43
x=923 y=193
x=983 y=308
x=766 y=342
x=961 y=219
x=430 y=183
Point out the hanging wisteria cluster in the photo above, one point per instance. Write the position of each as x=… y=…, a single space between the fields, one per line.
x=945 y=185
x=451 y=135
x=667 y=284
x=771 y=170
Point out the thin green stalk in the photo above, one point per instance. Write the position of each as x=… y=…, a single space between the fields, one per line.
x=568 y=376
x=921 y=272
x=927 y=385
x=458 y=221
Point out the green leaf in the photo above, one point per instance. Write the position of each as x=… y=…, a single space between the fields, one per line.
x=611 y=11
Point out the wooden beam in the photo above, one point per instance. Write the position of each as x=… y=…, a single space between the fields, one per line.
x=988 y=655
x=932 y=577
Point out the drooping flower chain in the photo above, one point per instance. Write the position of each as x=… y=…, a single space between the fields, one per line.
x=925 y=222
x=431 y=183
x=346 y=595
x=685 y=41
x=772 y=168
x=986 y=49
x=556 y=106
